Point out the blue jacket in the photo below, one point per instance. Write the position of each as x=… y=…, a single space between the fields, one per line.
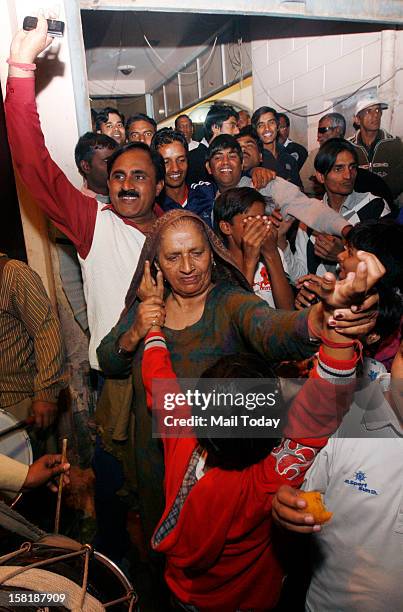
x=200 y=200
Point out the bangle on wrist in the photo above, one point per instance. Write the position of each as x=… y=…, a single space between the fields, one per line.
x=21 y=65
x=342 y=345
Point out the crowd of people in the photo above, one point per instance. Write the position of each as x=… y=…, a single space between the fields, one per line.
x=235 y=257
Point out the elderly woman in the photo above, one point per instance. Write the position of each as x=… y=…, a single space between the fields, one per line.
x=210 y=311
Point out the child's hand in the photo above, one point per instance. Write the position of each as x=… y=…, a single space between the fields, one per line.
x=288 y=508
x=307 y=294
x=255 y=232
x=269 y=245
x=150 y=287
x=345 y=306
x=352 y=290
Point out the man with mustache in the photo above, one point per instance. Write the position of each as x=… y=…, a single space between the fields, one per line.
x=140 y=128
x=108 y=237
x=224 y=164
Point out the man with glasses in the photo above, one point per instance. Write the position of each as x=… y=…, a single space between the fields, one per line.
x=332 y=125
x=378 y=151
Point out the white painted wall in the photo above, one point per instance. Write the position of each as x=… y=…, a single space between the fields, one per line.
x=311 y=71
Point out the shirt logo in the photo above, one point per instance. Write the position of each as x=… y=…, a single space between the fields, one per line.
x=264 y=283
x=359 y=482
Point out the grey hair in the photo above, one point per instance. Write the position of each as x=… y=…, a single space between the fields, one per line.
x=337 y=120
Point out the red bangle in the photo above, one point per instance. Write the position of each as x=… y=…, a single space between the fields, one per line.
x=21 y=66
x=340 y=345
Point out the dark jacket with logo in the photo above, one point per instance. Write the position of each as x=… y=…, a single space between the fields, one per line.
x=386 y=161
x=200 y=200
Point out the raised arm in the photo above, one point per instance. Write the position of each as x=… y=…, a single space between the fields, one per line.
x=72 y=212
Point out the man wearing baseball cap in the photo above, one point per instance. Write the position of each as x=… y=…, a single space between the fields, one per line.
x=378 y=151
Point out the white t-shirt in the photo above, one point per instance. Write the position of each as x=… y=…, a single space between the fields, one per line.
x=359 y=553
x=261 y=282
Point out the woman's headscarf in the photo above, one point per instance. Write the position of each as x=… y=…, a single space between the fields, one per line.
x=226 y=268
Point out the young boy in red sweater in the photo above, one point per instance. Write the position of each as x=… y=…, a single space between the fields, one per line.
x=216 y=527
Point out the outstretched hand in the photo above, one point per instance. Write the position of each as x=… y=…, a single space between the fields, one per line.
x=26 y=46
x=352 y=290
x=288 y=511
x=346 y=305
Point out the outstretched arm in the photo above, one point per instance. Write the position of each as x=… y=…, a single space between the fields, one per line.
x=72 y=212
x=313 y=213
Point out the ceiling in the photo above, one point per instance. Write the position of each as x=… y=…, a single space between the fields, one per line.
x=116 y=38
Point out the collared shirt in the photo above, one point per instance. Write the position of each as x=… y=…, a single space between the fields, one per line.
x=93 y=194
x=284 y=164
x=31 y=347
x=355 y=208
x=361 y=478
x=193 y=144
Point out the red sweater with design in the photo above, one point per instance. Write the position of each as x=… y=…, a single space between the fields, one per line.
x=219 y=552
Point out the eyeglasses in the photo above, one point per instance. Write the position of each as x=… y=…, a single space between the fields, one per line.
x=323 y=130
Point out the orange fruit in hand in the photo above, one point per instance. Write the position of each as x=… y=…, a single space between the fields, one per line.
x=315 y=506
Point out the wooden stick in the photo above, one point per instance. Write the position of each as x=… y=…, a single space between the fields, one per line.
x=60 y=490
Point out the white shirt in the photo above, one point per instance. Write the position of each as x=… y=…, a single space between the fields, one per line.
x=193 y=144
x=261 y=282
x=359 y=553
x=107 y=272
x=351 y=209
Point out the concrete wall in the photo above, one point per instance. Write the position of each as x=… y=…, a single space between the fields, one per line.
x=313 y=71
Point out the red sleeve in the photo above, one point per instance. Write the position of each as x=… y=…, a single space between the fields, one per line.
x=321 y=404
x=157 y=366
x=314 y=416
x=71 y=211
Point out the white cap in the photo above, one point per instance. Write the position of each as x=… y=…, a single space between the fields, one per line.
x=367 y=101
